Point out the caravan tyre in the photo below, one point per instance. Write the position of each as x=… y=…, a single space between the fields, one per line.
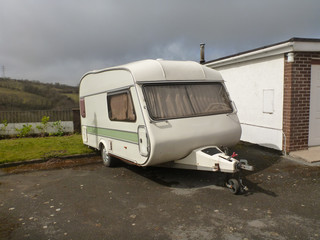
x=107 y=160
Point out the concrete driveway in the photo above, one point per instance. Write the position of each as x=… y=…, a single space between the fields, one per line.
x=82 y=199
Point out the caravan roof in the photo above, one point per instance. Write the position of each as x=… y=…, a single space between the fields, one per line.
x=162 y=70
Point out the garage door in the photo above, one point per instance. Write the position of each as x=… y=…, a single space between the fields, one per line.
x=314 y=124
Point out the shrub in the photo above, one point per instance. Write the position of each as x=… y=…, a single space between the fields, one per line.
x=44 y=125
x=5 y=124
x=24 y=131
x=59 y=128
x=4 y=127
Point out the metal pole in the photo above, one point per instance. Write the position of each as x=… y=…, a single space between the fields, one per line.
x=202 y=61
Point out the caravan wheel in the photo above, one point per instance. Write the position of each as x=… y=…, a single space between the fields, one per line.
x=108 y=161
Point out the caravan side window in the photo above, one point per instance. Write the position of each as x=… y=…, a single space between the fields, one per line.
x=82 y=108
x=120 y=107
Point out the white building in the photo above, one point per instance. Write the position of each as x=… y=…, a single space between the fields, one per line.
x=277 y=92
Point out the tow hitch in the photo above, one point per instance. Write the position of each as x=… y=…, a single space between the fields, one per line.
x=212 y=158
x=234 y=183
x=243 y=164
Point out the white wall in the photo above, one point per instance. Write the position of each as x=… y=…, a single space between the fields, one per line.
x=256 y=86
x=11 y=128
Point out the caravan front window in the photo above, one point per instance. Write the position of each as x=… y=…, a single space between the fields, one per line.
x=169 y=101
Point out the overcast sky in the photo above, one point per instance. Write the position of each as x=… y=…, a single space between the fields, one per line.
x=60 y=40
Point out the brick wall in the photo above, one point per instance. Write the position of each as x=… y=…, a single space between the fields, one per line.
x=296 y=105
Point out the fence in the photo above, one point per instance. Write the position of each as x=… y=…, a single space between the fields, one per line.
x=70 y=121
x=35 y=116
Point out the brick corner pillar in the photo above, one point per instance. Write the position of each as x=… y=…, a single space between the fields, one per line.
x=296 y=101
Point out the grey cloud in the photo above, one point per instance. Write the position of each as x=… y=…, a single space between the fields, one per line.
x=58 y=41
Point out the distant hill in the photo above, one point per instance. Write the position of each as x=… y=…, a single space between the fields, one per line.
x=16 y=95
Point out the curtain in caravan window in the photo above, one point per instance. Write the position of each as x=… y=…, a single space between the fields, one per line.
x=209 y=99
x=120 y=107
x=82 y=108
x=131 y=116
x=168 y=101
x=186 y=100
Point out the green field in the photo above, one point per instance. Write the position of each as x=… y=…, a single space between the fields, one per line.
x=13 y=150
x=21 y=95
x=73 y=96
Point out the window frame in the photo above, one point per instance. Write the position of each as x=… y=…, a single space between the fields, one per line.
x=119 y=92
x=185 y=83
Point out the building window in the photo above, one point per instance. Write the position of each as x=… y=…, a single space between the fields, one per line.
x=120 y=107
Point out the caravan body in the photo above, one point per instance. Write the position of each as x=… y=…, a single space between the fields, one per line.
x=155 y=112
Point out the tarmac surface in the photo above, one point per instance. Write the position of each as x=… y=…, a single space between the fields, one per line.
x=79 y=198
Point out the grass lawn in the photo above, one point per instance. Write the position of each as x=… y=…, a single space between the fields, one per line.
x=20 y=149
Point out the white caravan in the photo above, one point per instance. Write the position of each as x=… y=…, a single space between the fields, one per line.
x=161 y=113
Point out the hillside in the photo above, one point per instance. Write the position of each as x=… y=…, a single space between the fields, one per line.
x=18 y=95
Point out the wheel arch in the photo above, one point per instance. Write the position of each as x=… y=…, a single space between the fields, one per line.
x=102 y=143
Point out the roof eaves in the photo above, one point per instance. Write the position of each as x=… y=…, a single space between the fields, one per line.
x=289 y=42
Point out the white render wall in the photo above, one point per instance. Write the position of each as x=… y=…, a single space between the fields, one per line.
x=256 y=86
x=11 y=128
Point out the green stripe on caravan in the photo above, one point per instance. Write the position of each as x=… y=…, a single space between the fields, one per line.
x=115 y=134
